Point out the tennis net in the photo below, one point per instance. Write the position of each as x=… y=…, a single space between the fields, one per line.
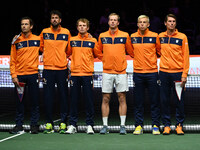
x=192 y=105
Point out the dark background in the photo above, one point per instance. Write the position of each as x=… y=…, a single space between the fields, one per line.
x=187 y=12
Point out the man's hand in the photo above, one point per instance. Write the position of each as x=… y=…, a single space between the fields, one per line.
x=15 y=81
x=183 y=80
x=90 y=35
x=15 y=38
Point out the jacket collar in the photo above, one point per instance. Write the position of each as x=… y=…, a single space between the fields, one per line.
x=115 y=33
x=175 y=33
x=59 y=28
x=145 y=33
x=85 y=36
x=29 y=36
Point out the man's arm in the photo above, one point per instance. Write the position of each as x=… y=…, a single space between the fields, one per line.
x=41 y=42
x=13 y=55
x=186 y=63
x=97 y=52
x=158 y=47
x=129 y=47
x=69 y=49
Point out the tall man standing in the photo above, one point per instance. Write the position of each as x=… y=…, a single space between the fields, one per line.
x=146 y=46
x=54 y=43
x=24 y=61
x=174 y=66
x=114 y=44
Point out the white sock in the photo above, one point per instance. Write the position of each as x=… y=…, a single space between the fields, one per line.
x=123 y=119
x=105 y=121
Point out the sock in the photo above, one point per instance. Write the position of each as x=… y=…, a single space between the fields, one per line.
x=123 y=119
x=105 y=121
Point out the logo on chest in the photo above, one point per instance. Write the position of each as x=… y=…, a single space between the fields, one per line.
x=74 y=43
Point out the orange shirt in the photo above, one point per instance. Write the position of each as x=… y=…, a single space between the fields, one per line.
x=83 y=51
x=174 y=53
x=24 y=55
x=54 y=45
x=114 y=48
x=146 y=48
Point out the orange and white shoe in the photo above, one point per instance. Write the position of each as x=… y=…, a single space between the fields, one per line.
x=179 y=130
x=167 y=130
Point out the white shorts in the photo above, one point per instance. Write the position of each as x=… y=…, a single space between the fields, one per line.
x=120 y=81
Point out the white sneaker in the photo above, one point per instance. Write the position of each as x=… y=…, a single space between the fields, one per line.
x=89 y=130
x=71 y=130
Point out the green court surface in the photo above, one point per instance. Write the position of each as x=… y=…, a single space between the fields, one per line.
x=114 y=141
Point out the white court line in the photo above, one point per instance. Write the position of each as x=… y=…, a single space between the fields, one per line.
x=56 y=120
x=21 y=133
x=12 y=137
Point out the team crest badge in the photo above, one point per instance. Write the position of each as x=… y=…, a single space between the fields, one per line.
x=104 y=40
x=19 y=45
x=47 y=36
x=74 y=43
x=134 y=40
x=162 y=40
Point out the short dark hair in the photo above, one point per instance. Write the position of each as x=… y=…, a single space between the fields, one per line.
x=170 y=15
x=28 y=18
x=56 y=12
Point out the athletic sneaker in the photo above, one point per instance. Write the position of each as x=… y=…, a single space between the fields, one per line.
x=138 y=130
x=155 y=130
x=62 y=128
x=89 y=130
x=122 y=130
x=16 y=130
x=179 y=130
x=167 y=130
x=34 y=129
x=48 y=128
x=71 y=130
x=104 y=130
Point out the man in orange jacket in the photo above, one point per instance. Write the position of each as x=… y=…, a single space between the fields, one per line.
x=114 y=44
x=83 y=50
x=146 y=46
x=24 y=61
x=174 y=66
x=54 y=43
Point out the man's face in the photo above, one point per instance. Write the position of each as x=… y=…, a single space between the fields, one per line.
x=143 y=24
x=55 y=20
x=25 y=26
x=113 y=22
x=82 y=27
x=171 y=23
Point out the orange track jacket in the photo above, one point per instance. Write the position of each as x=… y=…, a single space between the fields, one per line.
x=83 y=51
x=54 y=45
x=146 y=48
x=174 y=53
x=24 y=55
x=114 y=48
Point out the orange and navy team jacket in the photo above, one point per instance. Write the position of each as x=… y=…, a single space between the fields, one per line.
x=114 y=49
x=174 y=53
x=83 y=51
x=53 y=45
x=24 y=55
x=146 y=49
